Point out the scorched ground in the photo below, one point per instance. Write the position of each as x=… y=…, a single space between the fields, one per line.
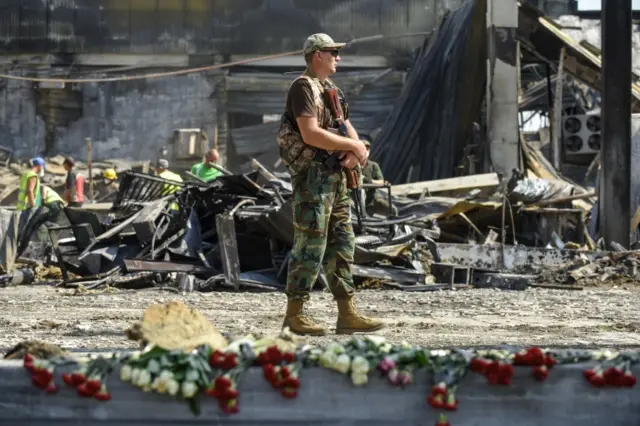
x=592 y=317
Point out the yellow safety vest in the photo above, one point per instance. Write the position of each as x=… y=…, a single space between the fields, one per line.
x=51 y=196
x=168 y=189
x=23 y=201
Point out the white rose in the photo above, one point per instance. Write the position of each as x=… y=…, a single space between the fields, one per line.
x=125 y=373
x=327 y=359
x=359 y=365
x=172 y=387
x=144 y=379
x=335 y=347
x=385 y=348
x=135 y=375
x=192 y=376
x=359 y=379
x=189 y=389
x=342 y=364
x=153 y=367
x=376 y=340
x=166 y=375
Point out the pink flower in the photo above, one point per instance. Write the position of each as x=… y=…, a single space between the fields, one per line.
x=394 y=377
x=386 y=365
x=404 y=378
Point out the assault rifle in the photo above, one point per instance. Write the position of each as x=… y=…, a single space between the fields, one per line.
x=332 y=101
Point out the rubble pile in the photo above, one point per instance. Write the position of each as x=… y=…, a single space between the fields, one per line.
x=236 y=233
x=615 y=268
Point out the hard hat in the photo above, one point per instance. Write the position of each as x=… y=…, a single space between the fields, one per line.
x=110 y=174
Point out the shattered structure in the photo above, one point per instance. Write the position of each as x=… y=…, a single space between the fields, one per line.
x=458 y=224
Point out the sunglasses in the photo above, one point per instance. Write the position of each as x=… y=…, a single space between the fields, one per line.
x=334 y=52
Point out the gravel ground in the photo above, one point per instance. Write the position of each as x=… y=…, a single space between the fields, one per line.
x=593 y=317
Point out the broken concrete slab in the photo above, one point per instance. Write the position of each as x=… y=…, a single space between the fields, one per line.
x=494 y=256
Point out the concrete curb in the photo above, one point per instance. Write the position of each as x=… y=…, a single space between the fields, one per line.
x=328 y=398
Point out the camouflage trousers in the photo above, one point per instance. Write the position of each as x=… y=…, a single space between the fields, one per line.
x=323 y=234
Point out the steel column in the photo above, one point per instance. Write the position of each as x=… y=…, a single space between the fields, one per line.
x=615 y=186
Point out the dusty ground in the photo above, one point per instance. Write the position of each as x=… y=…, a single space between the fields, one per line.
x=593 y=317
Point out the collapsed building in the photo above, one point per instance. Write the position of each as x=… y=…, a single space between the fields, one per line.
x=472 y=209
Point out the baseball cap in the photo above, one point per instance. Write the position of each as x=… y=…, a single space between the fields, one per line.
x=38 y=161
x=320 y=41
x=162 y=164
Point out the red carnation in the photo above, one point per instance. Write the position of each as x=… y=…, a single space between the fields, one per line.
x=541 y=373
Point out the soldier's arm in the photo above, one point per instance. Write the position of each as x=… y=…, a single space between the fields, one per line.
x=351 y=131
x=304 y=109
x=316 y=136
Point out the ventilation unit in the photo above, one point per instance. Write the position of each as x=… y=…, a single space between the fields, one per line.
x=581 y=134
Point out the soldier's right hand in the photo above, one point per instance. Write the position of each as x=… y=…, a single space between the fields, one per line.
x=361 y=152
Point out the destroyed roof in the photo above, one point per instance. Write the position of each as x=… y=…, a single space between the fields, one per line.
x=543 y=39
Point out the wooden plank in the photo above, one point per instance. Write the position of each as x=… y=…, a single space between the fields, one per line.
x=486 y=180
x=329 y=398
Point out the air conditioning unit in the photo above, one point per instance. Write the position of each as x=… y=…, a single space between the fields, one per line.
x=581 y=134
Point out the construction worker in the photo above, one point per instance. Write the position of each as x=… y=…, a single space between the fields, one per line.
x=205 y=170
x=109 y=186
x=29 y=194
x=73 y=185
x=53 y=202
x=162 y=170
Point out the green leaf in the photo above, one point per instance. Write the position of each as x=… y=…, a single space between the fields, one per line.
x=421 y=358
x=194 y=405
x=155 y=352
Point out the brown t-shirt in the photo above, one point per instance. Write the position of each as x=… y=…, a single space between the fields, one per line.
x=301 y=102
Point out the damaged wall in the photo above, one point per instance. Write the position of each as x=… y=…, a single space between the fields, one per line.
x=127 y=119
x=208 y=26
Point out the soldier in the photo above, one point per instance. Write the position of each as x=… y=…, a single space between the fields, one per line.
x=316 y=158
x=372 y=173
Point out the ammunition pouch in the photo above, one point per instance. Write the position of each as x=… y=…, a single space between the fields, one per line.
x=295 y=154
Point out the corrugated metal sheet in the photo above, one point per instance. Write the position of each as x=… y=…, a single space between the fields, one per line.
x=264 y=93
x=210 y=26
x=432 y=121
x=371 y=95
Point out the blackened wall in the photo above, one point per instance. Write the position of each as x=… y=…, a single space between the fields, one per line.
x=131 y=119
x=208 y=26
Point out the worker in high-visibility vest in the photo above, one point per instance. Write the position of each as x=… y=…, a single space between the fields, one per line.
x=29 y=194
x=53 y=201
x=162 y=170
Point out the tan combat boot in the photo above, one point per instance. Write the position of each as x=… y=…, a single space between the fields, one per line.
x=299 y=323
x=350 y=321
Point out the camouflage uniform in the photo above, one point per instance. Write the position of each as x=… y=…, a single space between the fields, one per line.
x=323 y=234
x=375 y=203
